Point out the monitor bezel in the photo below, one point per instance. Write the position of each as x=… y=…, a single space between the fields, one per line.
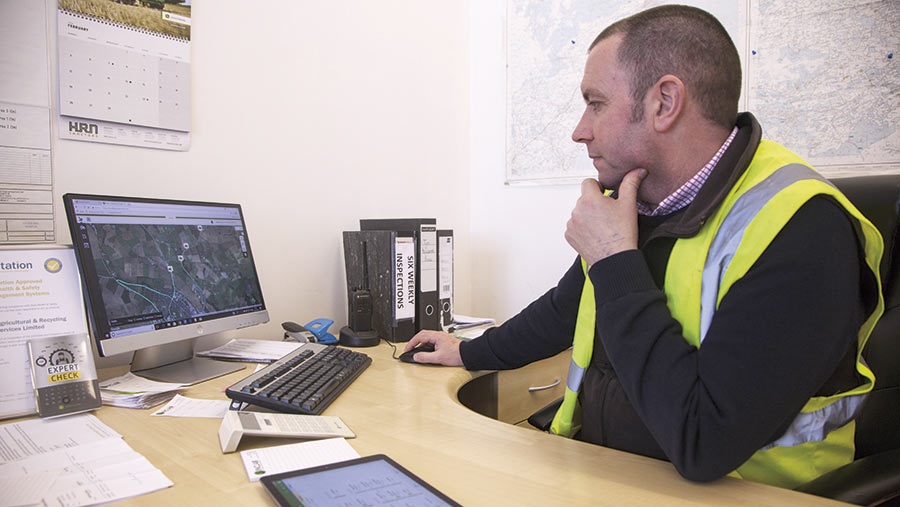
x=158 y=337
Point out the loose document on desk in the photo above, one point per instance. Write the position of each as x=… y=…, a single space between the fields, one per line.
x=182 y=406
x=284 y=458
x=253 y=351
x=71 y=461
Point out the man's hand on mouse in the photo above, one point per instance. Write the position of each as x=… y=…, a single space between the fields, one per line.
x=446 y=348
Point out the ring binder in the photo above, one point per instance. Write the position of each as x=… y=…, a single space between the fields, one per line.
x=381 y=265
x=445 y=277
x=424 y=230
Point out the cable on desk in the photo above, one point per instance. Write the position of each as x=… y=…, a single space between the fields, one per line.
x=394 y=353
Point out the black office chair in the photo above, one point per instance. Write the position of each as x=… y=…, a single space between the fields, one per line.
x=873 y=478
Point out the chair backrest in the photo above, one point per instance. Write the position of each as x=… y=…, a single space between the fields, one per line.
x=878 y=425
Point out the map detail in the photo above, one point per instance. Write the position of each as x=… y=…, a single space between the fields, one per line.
x=825 y=83
x=822 y=78
x=163 y=273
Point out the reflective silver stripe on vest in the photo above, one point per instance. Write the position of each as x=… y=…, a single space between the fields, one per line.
x=806 y=427
x=815 y=426
x=730 y=233
x=574 y=377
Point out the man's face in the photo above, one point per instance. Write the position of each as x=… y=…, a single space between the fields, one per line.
x=615 y=142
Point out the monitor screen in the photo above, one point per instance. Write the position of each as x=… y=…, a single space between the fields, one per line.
x=161 y=271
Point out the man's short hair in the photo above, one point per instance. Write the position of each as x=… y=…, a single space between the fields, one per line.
x=686 y=42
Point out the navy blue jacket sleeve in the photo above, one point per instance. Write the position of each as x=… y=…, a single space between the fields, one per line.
x=543 y=329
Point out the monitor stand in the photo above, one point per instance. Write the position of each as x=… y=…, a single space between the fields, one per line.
x=175 y=362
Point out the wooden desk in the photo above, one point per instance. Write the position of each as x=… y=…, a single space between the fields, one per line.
x=411 y=413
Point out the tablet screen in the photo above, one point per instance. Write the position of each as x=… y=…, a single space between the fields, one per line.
x=373 y=480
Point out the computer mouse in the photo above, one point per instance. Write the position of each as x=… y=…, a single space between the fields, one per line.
x=407 y=357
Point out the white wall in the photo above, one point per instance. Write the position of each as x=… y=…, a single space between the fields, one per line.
x=311 y=115
x=518 y=247
x=315 y=114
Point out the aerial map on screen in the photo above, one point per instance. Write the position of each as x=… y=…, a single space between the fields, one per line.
x=171 y=272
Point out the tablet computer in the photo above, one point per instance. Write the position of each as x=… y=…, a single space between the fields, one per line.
x=372 y=480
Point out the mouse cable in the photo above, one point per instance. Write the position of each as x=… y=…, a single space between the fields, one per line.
x=394 y=353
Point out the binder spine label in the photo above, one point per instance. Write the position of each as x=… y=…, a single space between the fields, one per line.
x=429 y=258
x=446 y=259
x=404 y=278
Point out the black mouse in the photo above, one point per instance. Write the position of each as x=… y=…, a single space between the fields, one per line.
x=407 y=357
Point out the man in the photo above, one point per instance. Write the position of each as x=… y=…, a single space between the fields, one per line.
x=729 y=288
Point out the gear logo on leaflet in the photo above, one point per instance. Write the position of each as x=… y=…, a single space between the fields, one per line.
x=53 y=265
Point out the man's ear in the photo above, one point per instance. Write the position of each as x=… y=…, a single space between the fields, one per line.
x=667 y=102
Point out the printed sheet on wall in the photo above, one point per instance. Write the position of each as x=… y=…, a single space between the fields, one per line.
x=26 y=184
x=124 y=72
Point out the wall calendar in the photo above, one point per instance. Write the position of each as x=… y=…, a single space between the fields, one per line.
x=124 y=72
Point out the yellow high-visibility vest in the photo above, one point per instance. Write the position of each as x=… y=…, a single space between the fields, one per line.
x=699 y=273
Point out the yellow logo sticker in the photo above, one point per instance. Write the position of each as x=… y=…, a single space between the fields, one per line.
x=62 y=377
x=52 y=265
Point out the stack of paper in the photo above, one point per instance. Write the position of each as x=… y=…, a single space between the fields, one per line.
x=72 y=461
x=131 y=391
x=461 y=322
x=253 y=351
x=470 y=333
x=468 y=328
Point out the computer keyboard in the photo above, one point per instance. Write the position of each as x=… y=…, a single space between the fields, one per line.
x=303 y=382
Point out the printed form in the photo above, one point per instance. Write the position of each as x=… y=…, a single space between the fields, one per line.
x=71 y=461
x=26 y=186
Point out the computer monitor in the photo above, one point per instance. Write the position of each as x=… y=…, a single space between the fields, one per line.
x=158 y=274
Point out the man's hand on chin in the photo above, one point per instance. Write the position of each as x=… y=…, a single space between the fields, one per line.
x=601 y=226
